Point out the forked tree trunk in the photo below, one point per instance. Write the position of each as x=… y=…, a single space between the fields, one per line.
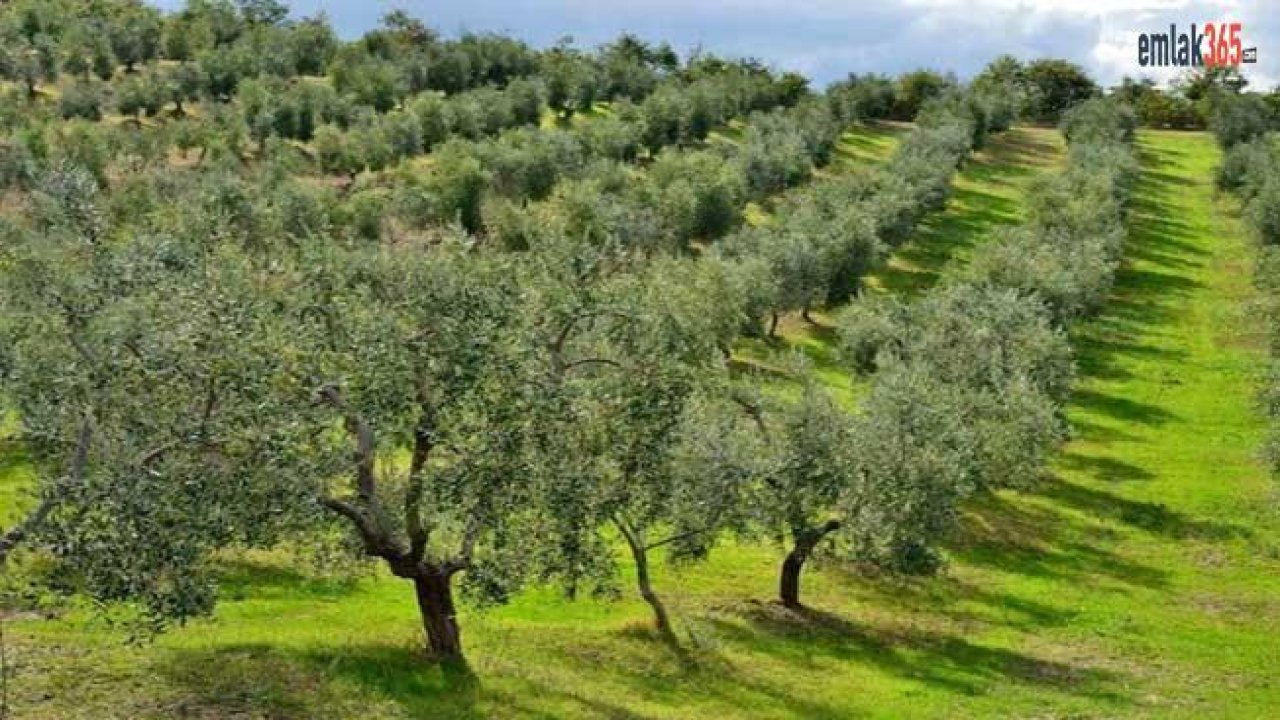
x=805 y=541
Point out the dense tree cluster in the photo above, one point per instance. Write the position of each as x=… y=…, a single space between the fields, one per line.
x=506 y=352
x=825 y=240
x=1040 y=90
x=1212 y=97
x=982 y=363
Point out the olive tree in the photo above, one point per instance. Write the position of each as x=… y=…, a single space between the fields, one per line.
x=998 y=349
x=643 y=419
x=222 y=393
x=809 y=469
x=912 y=469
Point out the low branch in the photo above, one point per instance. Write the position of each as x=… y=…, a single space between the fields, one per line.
x=753 y=411
x=366 y=484
x=470 y=536
x=376 y=543
x=591 y=361
x=14 y=536
x=677 y=538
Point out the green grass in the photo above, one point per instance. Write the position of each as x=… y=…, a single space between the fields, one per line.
x=859 y=148
x=1142 y=580
x=986 y=194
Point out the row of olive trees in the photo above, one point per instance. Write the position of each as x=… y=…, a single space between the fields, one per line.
x=487 y=186
x=824 y=240
x=1251 y=170
x=1067 y=252
x=220 y=350
x=680 y=112
x=978 y=370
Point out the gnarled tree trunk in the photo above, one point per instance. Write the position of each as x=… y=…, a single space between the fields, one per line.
x=434 y=590
x=805 y=541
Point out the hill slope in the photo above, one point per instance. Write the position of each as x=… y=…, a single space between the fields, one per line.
x=1141 y=581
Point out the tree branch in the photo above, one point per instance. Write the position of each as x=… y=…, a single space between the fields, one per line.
x=590 y=361
x=470 y=536
x=676 y=538
x=422 y=445
x=753 y=411
x=366 y=484
x=376 y=542
x=12 y=537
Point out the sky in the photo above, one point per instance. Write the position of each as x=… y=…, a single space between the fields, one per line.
x=827 y=39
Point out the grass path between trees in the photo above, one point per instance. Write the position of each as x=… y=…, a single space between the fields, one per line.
x=987 y=193
x=1143 y=580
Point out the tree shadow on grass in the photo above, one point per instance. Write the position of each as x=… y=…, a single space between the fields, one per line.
x=268 y=680
x=868 y=141
x=972 y=212
x=1087 y=430
x=1120 y=408
x=246 y=577
x=942 y=237
x=942 y=660
x=1153 y=517
x=944 y=595
x=1104 y=468
x=1037 y=540
x=264 y=680
x=260 y=680
x=1021 y=146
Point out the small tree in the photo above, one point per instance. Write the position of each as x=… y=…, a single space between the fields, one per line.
x=912 y=469
x=140 y=95
x=811 y=469
x=135 y=35
x=182 y=83
x=644 y=439
x=84 y=100
x=29 y=62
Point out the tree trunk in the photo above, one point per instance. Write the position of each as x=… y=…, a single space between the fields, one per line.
x=789 y=586
x=773 y=325
x=439 y=617
x=640 y=554
x=805 y=541
x=805 y=314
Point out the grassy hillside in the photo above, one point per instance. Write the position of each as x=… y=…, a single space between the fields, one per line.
x=1141 y=581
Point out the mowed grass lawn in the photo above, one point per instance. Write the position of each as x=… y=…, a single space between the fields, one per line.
x=1143 y=579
